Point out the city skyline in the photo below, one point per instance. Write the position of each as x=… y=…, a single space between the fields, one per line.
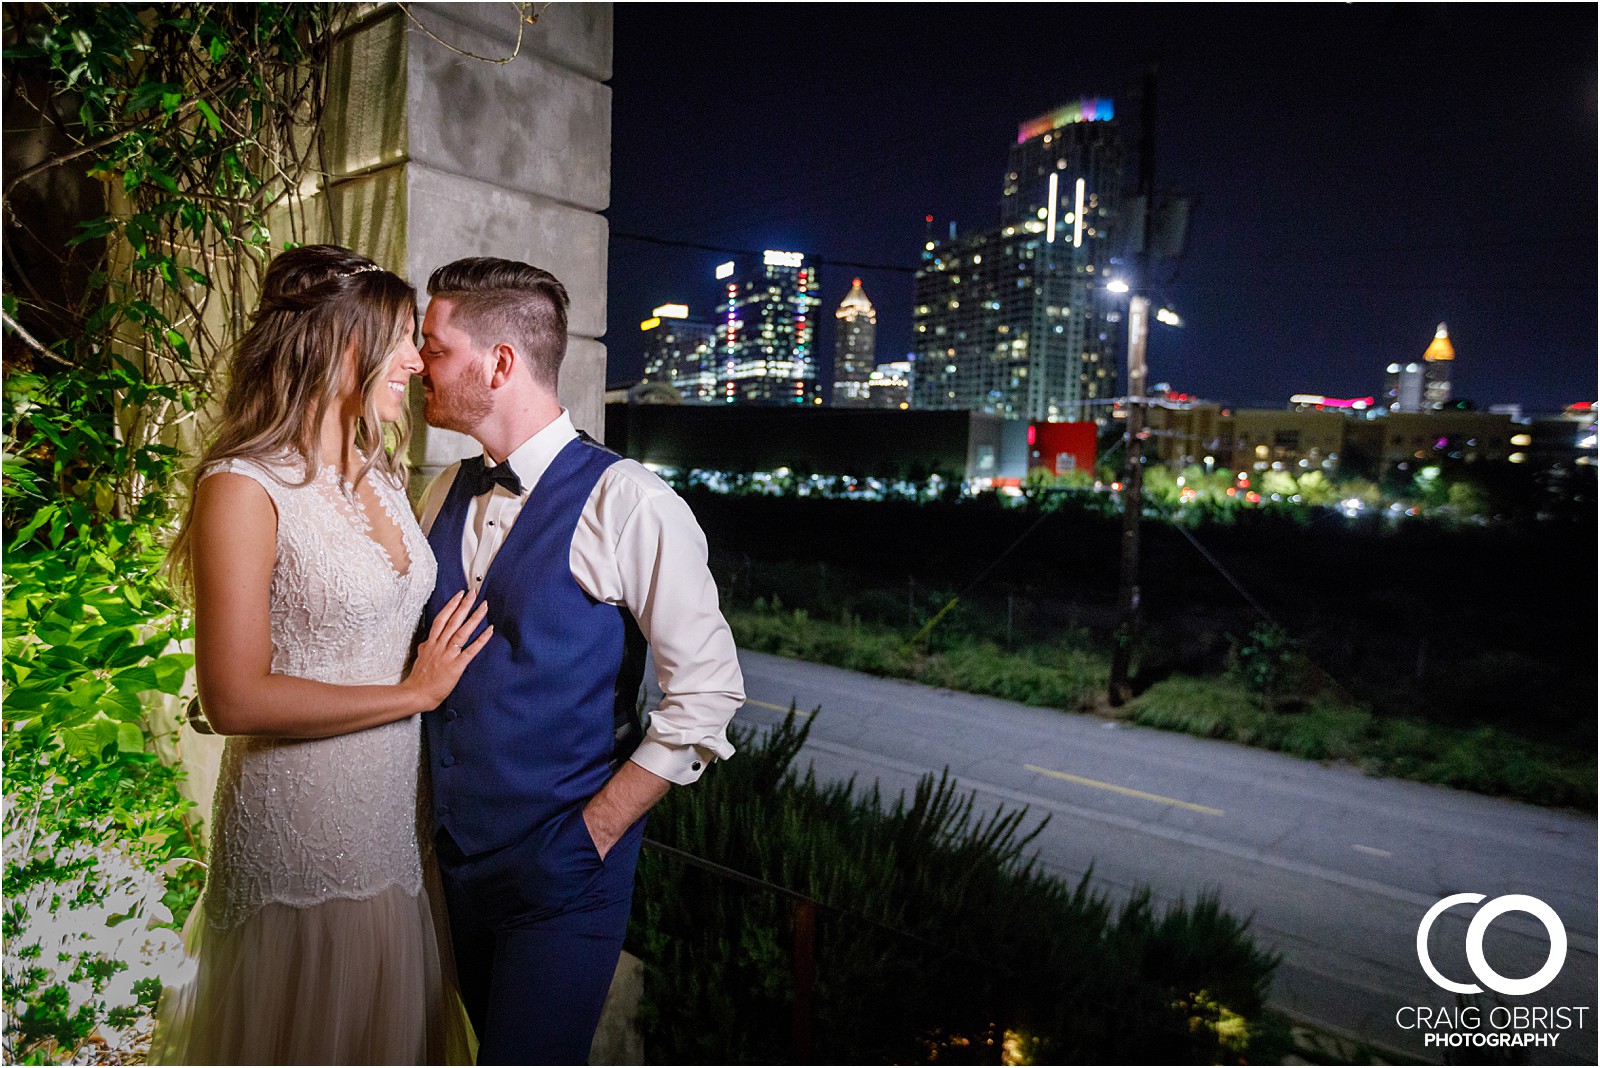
x=1359 y=175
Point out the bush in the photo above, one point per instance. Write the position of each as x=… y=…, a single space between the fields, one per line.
x=1062 y=675
x=96 y=887
x=1483 y=759
x=938 y=938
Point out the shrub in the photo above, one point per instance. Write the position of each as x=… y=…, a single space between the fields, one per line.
x=96 y=887
x=1062 y=675
x=1484 y=759
x=938 y=940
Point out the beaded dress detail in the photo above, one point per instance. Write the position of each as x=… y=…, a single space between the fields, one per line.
x=315 y=939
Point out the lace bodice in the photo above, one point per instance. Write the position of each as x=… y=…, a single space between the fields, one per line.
x=302 y=821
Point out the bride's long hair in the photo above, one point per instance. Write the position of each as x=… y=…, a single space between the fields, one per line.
x=318 y=303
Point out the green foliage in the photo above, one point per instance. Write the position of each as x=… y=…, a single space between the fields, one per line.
x=97 y=881
x=1056 y=675
x=193 y=123
x=939 y=938
x=1484 y=759
x=1267 y=660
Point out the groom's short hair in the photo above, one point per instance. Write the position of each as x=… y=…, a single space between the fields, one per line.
x=497 y=300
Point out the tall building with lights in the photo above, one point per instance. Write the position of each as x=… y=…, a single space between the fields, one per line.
x=766 y=332
x=854 y=349
x=1016 y=319
x=1422 y=385
x=889 y=385
x=681 y=352
x=1436 y=361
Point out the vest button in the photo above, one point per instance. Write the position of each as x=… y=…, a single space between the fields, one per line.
x=450 y=713
x=446 y=760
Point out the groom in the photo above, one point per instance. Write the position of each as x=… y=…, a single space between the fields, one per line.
x=541 y=773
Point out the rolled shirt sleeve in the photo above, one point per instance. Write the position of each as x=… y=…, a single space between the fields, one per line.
x=644 y=549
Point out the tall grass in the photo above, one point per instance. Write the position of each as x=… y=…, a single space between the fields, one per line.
x=940 y=937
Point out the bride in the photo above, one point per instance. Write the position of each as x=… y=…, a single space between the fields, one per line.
x=315 y=939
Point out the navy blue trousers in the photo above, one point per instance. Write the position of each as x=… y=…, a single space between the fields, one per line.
x=537 y=928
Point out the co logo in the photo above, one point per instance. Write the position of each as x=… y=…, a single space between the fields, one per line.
x=1475 y=932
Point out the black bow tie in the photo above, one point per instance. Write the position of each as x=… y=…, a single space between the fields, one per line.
x=479 y=480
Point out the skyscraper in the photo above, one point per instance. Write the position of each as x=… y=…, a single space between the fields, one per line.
x=1436 y=363
x=766 y=336
x=854 y=349
x=889 y=385
x=1016 y=320
x=681 y=353
x=1422 y=385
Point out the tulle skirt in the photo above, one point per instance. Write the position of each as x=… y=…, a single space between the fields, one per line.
x=342 y=982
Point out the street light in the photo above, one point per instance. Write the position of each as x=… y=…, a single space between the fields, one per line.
x=1117 y=285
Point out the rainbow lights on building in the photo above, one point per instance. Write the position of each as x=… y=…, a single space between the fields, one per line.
x=1084 y=109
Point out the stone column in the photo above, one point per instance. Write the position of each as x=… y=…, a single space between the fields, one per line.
x=449 y=137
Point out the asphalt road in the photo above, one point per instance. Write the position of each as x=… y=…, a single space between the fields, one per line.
x=1335 y=869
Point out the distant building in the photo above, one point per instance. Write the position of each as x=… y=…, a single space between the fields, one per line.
x=889 y=385
x=1332 y=438
x=681 y=353
x=1407 y=439
x=766 y=334
x=1188 y=433
x=1016 y=320
x=1421 y=385
x=1061 y=448
x=1263 y=439
x=1436 y=363
x=854 y=349
x=824 y=442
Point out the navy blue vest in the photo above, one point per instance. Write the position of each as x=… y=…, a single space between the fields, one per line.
x=545 y=712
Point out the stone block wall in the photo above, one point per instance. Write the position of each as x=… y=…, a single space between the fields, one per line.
x=447 y=137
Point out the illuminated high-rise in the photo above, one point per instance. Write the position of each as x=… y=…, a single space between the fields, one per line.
x=1016 y=320
x=681 y=353
x=1436 y=363
x=854 y=349
x=889 y=385
x=766 y=332
x=1422 y=385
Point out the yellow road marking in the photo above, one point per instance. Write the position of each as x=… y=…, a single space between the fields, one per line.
x=1098 y=785
x=1370 y=851
x=775 y=708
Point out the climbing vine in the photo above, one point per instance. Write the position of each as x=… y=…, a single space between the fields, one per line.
x=156 y=153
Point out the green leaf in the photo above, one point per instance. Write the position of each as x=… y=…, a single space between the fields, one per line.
x=171 y=671
x=44 y=515
x=88 y=739
x=136 y=679
x=123 y=707
x=130 y=738
x=149 y=94
x=205 y=109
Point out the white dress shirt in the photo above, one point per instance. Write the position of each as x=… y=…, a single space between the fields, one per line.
x=638 y=545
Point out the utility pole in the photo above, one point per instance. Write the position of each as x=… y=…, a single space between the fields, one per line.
x=1121 y=688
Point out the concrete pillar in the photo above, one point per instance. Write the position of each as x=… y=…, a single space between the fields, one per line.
x=447 y=137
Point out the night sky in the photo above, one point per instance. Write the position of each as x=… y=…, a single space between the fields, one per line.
x=1359 y=173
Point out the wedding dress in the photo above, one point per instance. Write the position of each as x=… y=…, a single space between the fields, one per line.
x=314 y=939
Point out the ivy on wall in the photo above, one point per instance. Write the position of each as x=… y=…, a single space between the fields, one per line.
x=158 y=152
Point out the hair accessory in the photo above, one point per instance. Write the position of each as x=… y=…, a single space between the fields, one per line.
x=360 y=270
